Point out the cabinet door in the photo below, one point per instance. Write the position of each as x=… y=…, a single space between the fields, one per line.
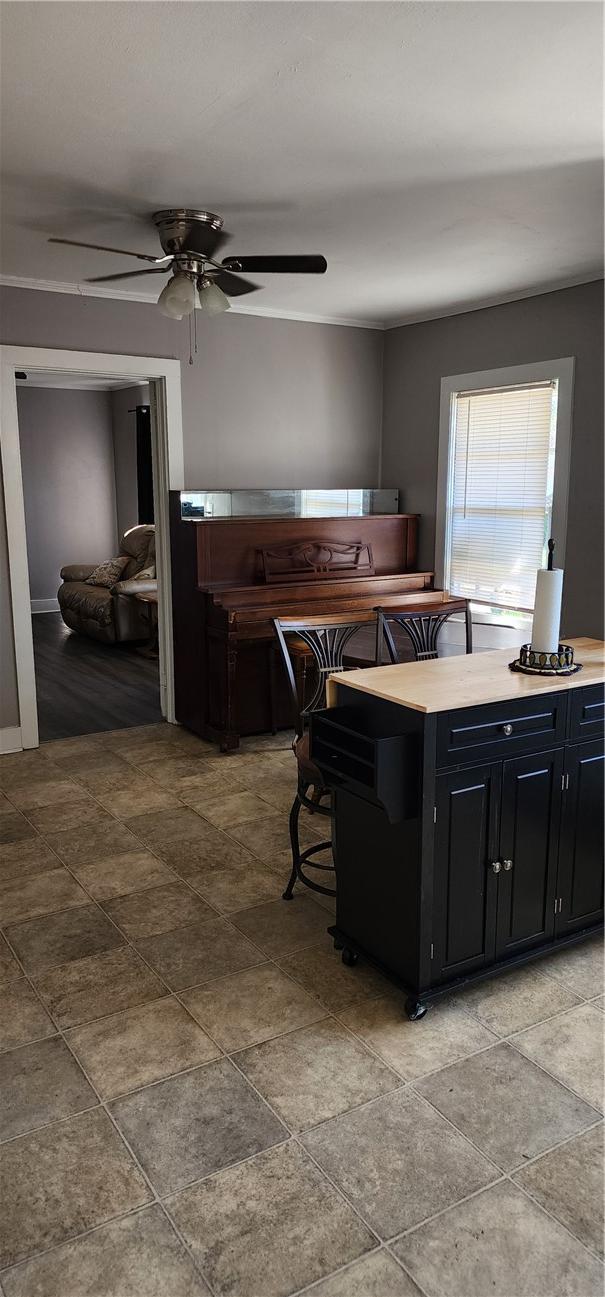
x=580 y=878
x=529 y=831
x=465 y=885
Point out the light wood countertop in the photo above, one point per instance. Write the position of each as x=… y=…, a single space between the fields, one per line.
x=468 y=681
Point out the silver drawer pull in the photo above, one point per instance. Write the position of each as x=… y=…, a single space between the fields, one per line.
x=507 y=865
x=507 y=729
x=496 y=866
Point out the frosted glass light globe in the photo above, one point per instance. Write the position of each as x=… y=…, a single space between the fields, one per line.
x=177 y=297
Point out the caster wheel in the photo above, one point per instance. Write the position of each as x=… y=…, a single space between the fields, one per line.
x=415 y=1009
x=349 y=958
x=337 y=944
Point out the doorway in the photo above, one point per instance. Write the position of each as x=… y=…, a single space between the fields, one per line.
x=71 y=681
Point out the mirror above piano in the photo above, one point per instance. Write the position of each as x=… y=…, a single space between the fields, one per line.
x=308 y=502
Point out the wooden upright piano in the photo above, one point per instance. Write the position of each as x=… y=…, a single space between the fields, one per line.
x=232 y=576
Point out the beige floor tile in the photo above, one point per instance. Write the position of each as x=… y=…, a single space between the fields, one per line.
x=18 y=859
x=581 y=968
x=59 y=938
x=84 y=846
x=571 y=1048
x=209 y=850
x=376 y=1275
x=22 y=1018
x=502 y=1244
x=281 y=927
x=184 y=772
x=81 y=813
x=228 y=809
x=397 y=1161
x=137 y=1256
x=20 y=767
x=195 y=1124
x=264 y=837
x=45 y=792
x=101 y=984
x=40 y=1083
x=568 y=1183
x=155 y=827
x=315 y=1073
x=137 y=797
x=142 y=1045
x=193 y=955
x=25 y=898
x=506 y=1106
x=159 y=909
x=446 y=1034
x=9 y=968
x=62 y=1180
x=130 y=871
x=268 y=1227
x=599 y=1002
x=248 y=1007
x=319 y=968
x=82 y=745
x=515 y=1000
x=241 y=884
x=15 y=828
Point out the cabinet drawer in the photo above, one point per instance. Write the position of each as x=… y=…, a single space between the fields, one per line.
x=476 y=733
x=587 y=720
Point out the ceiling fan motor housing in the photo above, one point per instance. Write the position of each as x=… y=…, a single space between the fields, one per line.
x=173 y=226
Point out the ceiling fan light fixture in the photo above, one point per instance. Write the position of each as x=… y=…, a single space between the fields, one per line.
x=177 y=298
x=213 y=301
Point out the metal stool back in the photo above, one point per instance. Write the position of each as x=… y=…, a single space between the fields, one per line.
x=327 y=640
x=422 y=626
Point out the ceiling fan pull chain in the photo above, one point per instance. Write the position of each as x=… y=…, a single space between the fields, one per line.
x=189 y=323
x=195 y=330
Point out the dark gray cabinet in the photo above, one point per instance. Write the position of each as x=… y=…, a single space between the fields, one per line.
x=580 y=875
x=493 y=851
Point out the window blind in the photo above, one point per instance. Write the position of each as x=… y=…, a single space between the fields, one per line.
x=338 y=504
x=500 y=485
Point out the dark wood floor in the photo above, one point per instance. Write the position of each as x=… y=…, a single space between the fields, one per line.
x=84 y=687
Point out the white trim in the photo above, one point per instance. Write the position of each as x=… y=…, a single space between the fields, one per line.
x=132 y=295
x=44 y=605
x=164 y=377
x=10 y=739
x=309 y=317
x=539 y=370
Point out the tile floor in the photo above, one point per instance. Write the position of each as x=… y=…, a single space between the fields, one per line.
x=197 y=1097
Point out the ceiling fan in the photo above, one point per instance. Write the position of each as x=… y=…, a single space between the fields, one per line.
x=190 y=241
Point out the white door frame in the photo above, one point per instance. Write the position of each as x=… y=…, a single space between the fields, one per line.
x=164 y=378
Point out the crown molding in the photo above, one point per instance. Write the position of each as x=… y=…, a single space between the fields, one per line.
x=499 y=299
x=131 y=295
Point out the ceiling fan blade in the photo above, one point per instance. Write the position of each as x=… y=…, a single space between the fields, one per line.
x=128 y=274
x=202 y=240
x=100 y=247
x=232 y=285
x=278 y=265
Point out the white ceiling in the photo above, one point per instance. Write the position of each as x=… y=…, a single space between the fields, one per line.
x=441 y=155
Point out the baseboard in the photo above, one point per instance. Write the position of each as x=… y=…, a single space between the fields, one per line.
x=10 y=739
x=45 y=605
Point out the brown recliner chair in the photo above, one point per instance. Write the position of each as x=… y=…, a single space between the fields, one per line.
x=112 y=615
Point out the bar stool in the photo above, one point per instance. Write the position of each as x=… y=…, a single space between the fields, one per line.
x=326 y=640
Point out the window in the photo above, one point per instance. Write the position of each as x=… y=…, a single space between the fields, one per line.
x=503 y=470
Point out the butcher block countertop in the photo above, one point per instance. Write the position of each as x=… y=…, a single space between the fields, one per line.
x=468 y=680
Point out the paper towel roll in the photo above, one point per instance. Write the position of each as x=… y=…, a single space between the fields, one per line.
x=547 y=611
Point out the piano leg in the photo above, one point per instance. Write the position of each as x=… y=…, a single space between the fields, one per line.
x=230 y=739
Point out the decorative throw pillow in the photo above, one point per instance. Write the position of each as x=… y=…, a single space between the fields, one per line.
x=108 y=574
x=146 y=574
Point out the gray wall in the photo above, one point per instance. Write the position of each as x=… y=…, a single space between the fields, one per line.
x=68 y=482
x=418 y=356
x=124 y=427
x=267 y=402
